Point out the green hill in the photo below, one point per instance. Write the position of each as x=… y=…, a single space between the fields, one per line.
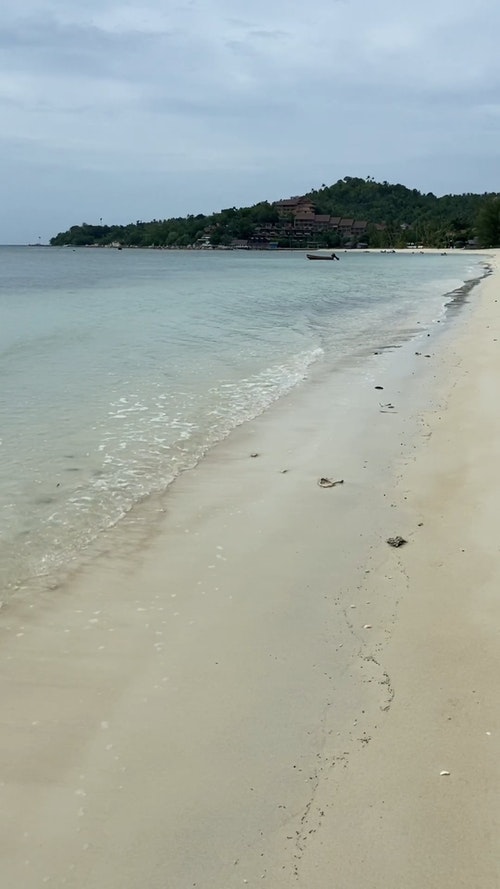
x=395 y=216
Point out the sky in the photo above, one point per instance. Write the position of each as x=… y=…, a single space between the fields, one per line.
x=149 y=109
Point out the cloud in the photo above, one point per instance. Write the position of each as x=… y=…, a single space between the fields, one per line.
x=251 y=97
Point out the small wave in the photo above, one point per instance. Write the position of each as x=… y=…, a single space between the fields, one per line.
x=167 y=440
x=143 y=446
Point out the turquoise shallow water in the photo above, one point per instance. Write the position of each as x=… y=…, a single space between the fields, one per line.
x=119 y=369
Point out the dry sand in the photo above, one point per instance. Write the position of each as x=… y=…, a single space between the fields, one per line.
x=263 y=692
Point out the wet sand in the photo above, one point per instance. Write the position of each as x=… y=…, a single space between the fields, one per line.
x=263 y=691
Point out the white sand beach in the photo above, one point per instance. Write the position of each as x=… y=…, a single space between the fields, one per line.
x=262 y=691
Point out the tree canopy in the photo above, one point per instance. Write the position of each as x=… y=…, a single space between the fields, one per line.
x=395 y=214
x=488 y=223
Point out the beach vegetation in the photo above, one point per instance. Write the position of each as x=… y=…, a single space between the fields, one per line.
x=488 y=223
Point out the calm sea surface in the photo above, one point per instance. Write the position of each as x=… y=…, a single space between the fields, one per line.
x=119 y=369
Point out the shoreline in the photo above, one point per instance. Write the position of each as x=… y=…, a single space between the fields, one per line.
x=221 y=702
x=441 y=251
x=149 y=508
x=423 y=807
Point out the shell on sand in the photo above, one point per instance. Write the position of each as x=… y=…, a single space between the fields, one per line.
x=328 y=483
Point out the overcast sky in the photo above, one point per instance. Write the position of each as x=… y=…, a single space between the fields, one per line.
x=157 y=108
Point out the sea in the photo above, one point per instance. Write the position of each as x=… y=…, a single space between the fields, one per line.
x=120 y=369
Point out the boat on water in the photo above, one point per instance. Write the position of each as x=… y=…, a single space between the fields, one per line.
x=327 y=256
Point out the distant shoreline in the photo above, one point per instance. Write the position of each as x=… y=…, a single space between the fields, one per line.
x=450 y=251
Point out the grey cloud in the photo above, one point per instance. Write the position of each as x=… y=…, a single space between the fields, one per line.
x=210 y=109
x=47 y=47
x=268 y=35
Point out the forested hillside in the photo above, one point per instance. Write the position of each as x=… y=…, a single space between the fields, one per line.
x=395 y=216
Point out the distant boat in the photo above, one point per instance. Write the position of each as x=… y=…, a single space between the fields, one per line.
x=328 y=256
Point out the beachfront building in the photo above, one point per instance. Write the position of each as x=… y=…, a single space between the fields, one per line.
x=291 y=206
x=296 y=223
x=298 y=219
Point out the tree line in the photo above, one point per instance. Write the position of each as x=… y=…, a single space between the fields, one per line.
x=396 y=216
